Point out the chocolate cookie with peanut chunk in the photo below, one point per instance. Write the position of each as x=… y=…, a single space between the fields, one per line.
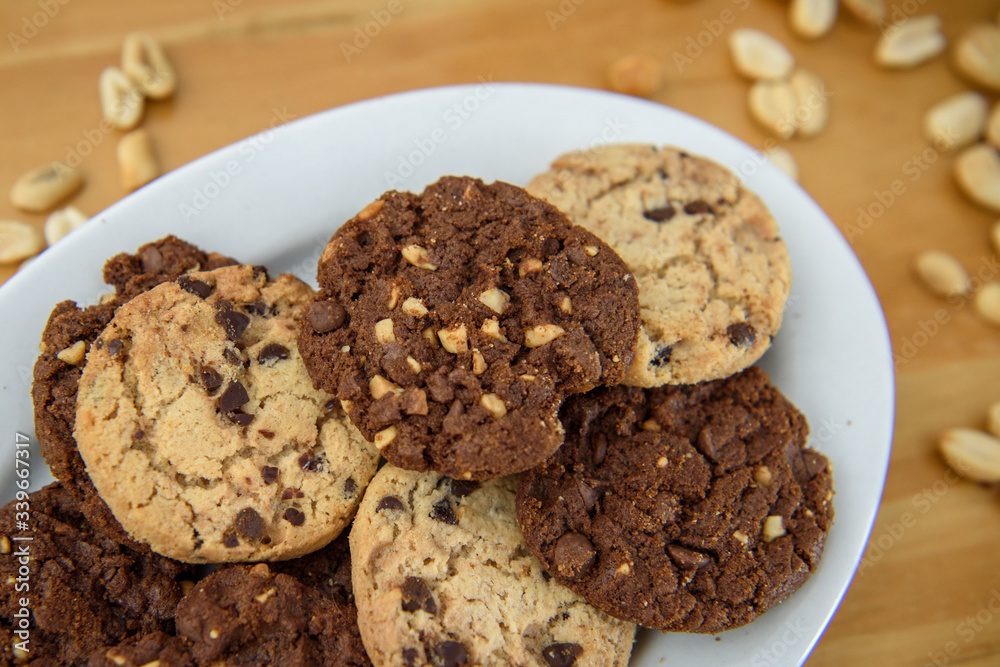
x=200 y=427
x=67 y=336
x=453 y=323
x=685 y=508
x=70 y=589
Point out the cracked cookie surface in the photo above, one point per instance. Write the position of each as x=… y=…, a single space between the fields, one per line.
x=454 y=323
x=200 y=427
x=713 y=273
x=442 y=576
x=689 y=508
x=54 y=387
x=84 y=589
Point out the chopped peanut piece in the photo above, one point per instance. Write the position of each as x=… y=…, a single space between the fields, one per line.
x=542 y=334
x=494 y=404
x=414 y=306
x=385 y=436
x=454 y=339
x=495 y=299
x=418 y=257
x=384 y=332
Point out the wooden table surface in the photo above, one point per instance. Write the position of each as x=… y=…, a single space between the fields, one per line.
x=928 y=591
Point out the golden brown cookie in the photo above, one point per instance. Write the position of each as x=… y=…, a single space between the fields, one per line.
x=442 y=576
x=200 y=427
x=713 y=272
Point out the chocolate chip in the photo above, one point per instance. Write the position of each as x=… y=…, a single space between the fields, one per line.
x=115 y=347
x=152 y=260
x=310 y=462
x=686 y=559
x=240 y=418
x=561 y=655
x=389 y=503
x=815 y=463
x=233 y=357
x=600 y=448
x=416 y=595
x=663 y=356
x=574 y=555
x=232 y=322
x=196 y=287
x=463 y=487
x=139 y=435
x=261 y=270
x=249 y=524
x=350 y=487
x=451 y=654
x=661 y=214
x=264 y=433
x=233 y=397
x=741 y=333
x=257 y=308
x=551 y=246
x=270 y=474
x=588 y=495
x=698 y=206
x=443 y=512
x=331 y=404
x=294 y=516
x=230 y=541
x=325 y=316
x=410 y=656
x=288 y=493
x=272 y=351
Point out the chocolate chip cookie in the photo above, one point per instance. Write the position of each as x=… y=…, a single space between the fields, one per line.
x=454 y=322
x=442 y=577
x=199 y=425
x=83 y=589
x=713 y=272
x=68 y=335
x=251 y=616
x=687 y=508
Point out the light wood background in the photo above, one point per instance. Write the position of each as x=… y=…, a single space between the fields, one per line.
x=930 y=588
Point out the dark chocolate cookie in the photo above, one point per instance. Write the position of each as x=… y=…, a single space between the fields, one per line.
x=58 y=368
x=688 y=508
x=160 y=648
x=327 y=571
x=247 y=615
x=84 y=590
x=453 y=324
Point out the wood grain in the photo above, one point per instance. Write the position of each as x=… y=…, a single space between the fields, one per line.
x=244 y=65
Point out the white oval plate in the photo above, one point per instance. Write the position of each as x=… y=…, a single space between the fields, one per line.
x=277 y=197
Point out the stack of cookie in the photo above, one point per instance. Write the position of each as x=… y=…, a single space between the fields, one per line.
x=574 y=445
